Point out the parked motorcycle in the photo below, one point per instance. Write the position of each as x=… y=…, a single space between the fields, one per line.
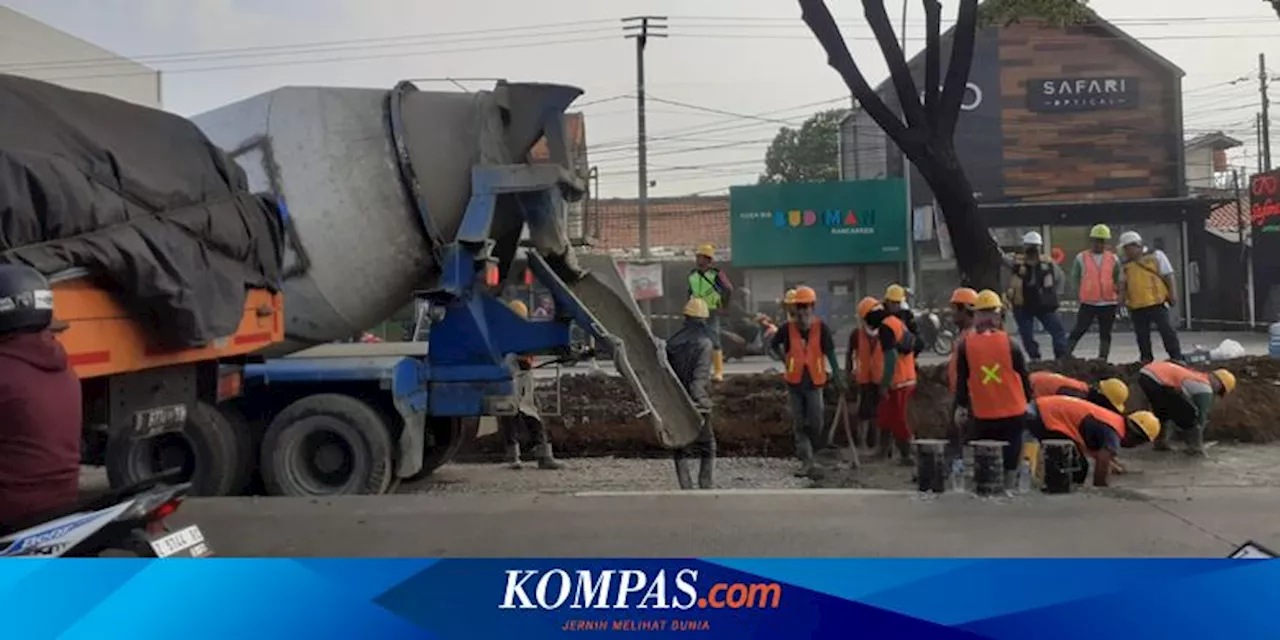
x=131 y=520
x=938 y=336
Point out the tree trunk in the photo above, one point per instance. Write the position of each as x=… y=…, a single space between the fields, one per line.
x=977 y=256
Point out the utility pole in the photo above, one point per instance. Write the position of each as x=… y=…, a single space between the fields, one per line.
x=1257 y=133
x=640 y=29
x=1266 y=112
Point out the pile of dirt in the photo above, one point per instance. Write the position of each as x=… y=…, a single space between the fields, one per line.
x=598 y=412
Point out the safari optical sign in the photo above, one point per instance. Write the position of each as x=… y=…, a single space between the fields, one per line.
x=821 y=223
x=1056 y=95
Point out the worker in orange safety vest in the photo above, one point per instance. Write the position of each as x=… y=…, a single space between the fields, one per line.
x=1111 y=393
x=1185 y=397
x=1096 y=275
x=993 y=386
x=962 y=301
x=864 y=361
x=804 y=343
x=1098 y=432
x=897 y=380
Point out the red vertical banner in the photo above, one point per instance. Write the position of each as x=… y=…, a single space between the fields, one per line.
x=1264 y=235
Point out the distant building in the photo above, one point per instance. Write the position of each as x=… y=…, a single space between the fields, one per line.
x=36 y=50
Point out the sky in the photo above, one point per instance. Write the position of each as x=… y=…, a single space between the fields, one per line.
x=729 y=74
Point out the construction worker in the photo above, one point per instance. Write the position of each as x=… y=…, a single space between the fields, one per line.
x=527 y=417
x=1183 y=396
x=895 y=299
x=993 y=386
x=1095 y=274
x=1111 y=393
x=1034 y=291
x=962 y=301
x=1098 y=432
x=864 y=361
x=1149 y=290
x=712 y=286
x=689 y=352
x=897 y=381
x=805 y=341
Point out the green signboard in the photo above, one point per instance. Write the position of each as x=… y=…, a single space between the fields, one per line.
x=818 y=223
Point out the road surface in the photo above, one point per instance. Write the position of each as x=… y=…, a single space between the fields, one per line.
x=773 y=523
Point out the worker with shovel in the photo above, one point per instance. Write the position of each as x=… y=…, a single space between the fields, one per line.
x=865 y=363
x=527 y=417
x=689 y=352
x=804 y=342
x=897 y=380
x=1098 y=433
x=1183 y=396
x=992 y=383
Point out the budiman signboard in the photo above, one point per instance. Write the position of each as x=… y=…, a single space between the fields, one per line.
x=781 y=225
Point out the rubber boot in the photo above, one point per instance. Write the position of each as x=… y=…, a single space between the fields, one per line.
x=905 y=458
x=1162 y=440
x=804 y=451
x=682 y=471
x=717 y=364
x=546 y=459
x=1195 y=442
x=707 y=471
x=513 y=456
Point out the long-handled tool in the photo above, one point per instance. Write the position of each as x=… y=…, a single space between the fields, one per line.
x=841 y=421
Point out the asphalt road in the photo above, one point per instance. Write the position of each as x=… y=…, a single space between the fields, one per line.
x=1205 y=522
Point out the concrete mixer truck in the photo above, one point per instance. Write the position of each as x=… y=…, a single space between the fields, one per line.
x=373 y=197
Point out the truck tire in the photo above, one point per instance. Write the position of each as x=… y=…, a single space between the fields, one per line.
x=327 y=445
x=246 y=448
x=206 y=449
x=450 y=434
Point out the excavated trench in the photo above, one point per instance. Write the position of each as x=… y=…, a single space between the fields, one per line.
x=751 y=416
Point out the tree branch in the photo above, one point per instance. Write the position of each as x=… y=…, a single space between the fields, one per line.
x=903 y=83
x=957 y=81
x=1275 y=4
x=818 y=18
x=933 y=57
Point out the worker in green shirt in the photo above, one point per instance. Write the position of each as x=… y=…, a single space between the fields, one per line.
x=712 y=286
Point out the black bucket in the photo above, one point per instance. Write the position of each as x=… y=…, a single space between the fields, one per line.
x=1059 y=465
x=931 y=466
x=988 y=466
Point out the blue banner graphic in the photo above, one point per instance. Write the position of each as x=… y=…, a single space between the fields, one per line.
x=743 y=598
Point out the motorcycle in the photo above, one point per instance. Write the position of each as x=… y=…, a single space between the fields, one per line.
x=129 y=520
x=936 y=335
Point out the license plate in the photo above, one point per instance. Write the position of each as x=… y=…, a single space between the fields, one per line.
x=153 y=422
x=183 y=543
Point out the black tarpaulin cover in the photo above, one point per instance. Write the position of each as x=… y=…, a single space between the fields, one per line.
x=138 y=197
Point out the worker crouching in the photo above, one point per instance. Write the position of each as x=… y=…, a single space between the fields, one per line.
x=897 y=379
x=527 y=417
x=1097 y=432
x=1111 y=393
x=690 y=353
x=804 y=341
x=1184 y=397
x=992 y=383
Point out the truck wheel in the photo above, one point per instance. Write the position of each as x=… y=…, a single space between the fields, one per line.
x=449 y=435
x=206 y=450
x=327 y=445
x=246 y=448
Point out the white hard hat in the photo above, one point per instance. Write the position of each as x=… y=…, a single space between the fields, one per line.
x=1032 y=238
x=1129 y=237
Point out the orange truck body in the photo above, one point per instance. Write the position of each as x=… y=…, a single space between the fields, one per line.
x=102 y=338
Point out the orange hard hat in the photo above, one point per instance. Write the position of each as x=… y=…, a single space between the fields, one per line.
x=805 y=295
x=866 y=306
x=965 y=296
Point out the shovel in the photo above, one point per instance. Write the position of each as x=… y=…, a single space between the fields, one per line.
x=841 y=421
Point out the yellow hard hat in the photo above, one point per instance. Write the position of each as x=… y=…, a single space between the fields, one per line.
x=1227 y=378
x=866 y=306
x=696 y=308
x=790 y=297
x=1100 y=232
x=707 y=249
x=1148 y=422
x=1116 y=391
x=519 y=307
x=988 y=300
x=965 y=296
x=895 y=293
x=805 y=295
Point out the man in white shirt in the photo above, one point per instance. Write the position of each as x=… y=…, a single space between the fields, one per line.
x=1149 y=289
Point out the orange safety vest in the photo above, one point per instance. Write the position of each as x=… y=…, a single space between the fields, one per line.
x=904 y=374
x=1173 y=375
x=1098 y=282
x=1064 y=415
x=870 y=358
x=805 y=354
x=953 y=364
x=1046 y=383
x=995 y=389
